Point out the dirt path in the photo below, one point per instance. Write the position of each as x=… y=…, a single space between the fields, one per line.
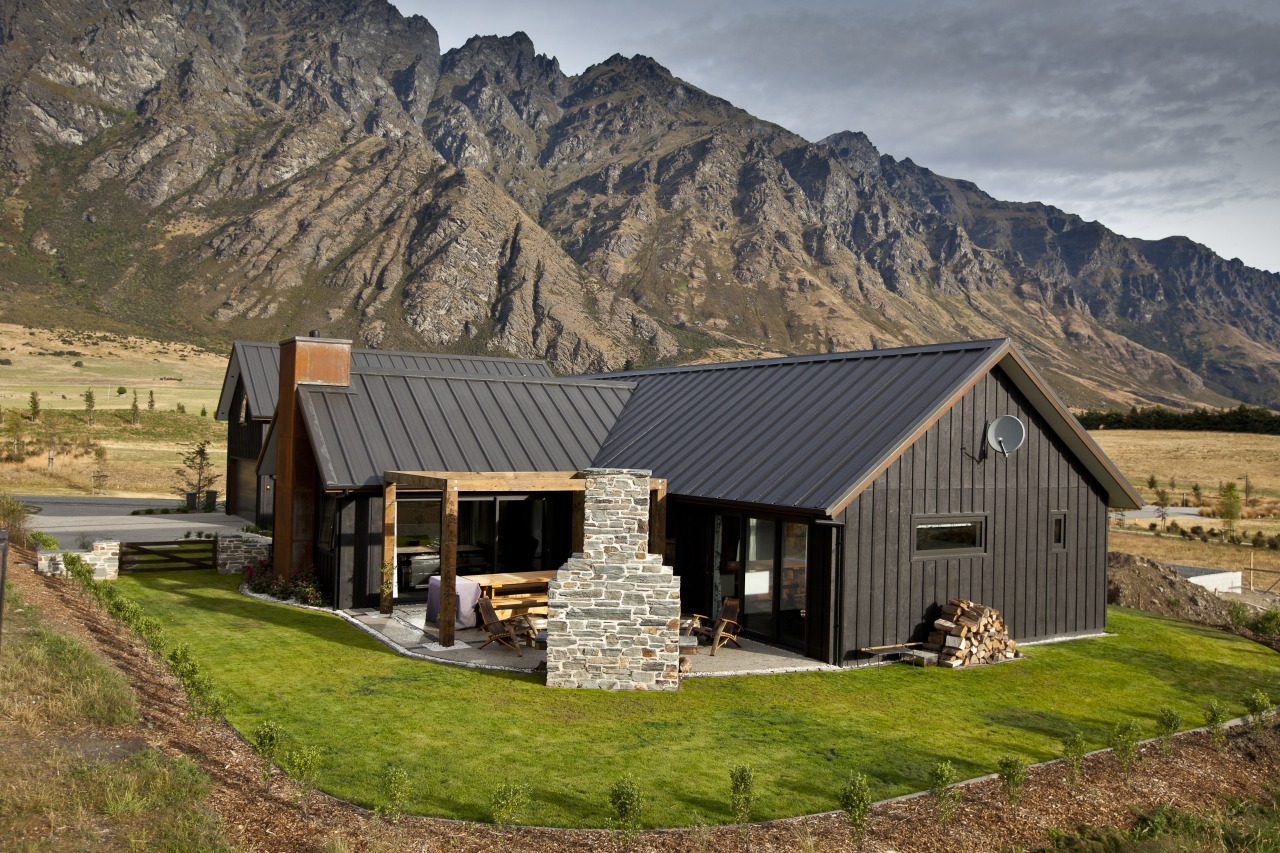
x=1194 y=776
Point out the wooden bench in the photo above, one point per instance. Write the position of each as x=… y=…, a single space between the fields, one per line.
x=524 y=602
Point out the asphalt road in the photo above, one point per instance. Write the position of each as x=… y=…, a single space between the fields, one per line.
x=72 y=519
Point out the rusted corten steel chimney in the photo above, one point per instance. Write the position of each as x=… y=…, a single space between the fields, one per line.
x=303 y=361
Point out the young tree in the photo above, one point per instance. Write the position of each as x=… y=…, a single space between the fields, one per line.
x=33 y=406
x=1229 y=505
x=1197 y=493
x=13 y=426
x=197 y=472
x=90 y=403
x=1162 y=502
x=1151 y=481
x=151 y=401
x=135 y=411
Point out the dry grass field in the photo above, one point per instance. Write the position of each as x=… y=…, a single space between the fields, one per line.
x=43 y=360
x=140 y=461
x=1207 y=458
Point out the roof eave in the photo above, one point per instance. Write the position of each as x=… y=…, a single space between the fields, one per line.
x=1120 y=494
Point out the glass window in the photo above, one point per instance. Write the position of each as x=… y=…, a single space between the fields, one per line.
x=963 y=535
x=1058 y=530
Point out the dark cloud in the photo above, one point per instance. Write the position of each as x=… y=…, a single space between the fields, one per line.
x=1158 y=116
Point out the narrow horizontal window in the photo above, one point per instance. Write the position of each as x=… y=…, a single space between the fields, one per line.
x=939 y=536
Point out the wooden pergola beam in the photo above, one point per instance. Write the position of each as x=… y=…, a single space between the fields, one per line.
x=657 y=516
x=448 y=565
x=452 y=483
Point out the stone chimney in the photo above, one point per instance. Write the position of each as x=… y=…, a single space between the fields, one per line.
x=614 y=610
x=303 y=361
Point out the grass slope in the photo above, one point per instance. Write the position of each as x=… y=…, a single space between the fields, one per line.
x=451 y=729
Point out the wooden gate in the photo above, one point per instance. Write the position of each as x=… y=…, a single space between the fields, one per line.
x=180 y=555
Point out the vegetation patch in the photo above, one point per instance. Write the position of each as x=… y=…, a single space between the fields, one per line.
x=74 y=786
x=364 y=708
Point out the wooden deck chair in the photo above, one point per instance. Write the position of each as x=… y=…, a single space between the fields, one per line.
x=509 y=632
x=721 y=631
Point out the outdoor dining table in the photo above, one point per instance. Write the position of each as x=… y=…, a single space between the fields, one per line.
x=494 y=584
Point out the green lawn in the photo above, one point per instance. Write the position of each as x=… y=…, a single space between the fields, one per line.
x=458 y=732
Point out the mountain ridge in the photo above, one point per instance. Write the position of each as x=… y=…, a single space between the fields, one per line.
x=230 y=168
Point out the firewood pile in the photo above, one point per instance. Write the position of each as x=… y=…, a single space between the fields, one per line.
x=969 y=633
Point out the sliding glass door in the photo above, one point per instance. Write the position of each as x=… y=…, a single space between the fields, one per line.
x=764 y=562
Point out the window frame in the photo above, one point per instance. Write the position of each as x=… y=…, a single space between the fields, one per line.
x=981 y=550
x=1054 y=517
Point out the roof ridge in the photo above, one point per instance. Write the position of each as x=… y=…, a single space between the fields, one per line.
x=578 y=381
x=411 y=353
x=851 y=355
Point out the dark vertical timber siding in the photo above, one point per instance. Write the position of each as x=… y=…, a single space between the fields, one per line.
x=889 y=597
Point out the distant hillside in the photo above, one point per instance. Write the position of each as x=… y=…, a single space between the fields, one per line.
x=257 y=170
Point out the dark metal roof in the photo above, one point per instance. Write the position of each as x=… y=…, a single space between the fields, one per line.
x=789 y=432
x=399 y=422
x=259 y=365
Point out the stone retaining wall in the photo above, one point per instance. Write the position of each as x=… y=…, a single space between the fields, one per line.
x=614 y=610
x=104 y=557
x=237 y=550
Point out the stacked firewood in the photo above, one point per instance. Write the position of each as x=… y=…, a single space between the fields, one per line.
x=969 y=633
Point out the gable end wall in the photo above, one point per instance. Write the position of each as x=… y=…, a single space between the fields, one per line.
x=889 y=597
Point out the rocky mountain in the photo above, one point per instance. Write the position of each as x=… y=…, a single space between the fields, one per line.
x=216 y=168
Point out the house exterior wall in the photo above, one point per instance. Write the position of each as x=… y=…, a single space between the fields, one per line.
x=890 y=594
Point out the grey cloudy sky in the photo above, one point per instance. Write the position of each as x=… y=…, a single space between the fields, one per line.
x=1155 y=117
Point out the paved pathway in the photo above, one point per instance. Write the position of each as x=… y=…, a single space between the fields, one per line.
x=407 y=631
x=69 y=519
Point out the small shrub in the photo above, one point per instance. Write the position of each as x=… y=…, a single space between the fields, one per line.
x=77 y=364
x=1215 y=718
x=510 y=804
x=42 y=541
x=1260 y=708
x=946 y=796
x=1168 y=724
x=742 y=784
x=626 y=802
x=302 y=765
x=1238 y=613
x=395 y=793
x=1013 y=776
x=742 y=793
x=1074 y=749
x=854 y=797
x=1124 y=743
x=120 y=391
x=266 y=740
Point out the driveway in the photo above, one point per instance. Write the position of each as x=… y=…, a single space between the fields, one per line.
x=70 y=519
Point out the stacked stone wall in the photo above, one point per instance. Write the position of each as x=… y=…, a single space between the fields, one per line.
x=237 y=550
x=104 y=557
x=614 y=610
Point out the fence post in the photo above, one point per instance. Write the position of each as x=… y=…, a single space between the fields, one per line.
x=4 y=565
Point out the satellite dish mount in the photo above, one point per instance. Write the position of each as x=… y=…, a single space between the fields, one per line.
x=1006 y=434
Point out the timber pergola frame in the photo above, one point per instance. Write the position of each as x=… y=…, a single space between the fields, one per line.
x=451 y=484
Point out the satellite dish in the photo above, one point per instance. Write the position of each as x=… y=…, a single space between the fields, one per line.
x=1006 y=434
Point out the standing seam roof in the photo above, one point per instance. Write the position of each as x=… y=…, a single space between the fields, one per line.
x=791 y=432
x=451 y=423
x=258 y=364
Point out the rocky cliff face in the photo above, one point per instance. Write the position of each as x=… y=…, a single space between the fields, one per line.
x=261 y=167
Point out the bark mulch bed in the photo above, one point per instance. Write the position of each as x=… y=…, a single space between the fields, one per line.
x=1193 y=777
